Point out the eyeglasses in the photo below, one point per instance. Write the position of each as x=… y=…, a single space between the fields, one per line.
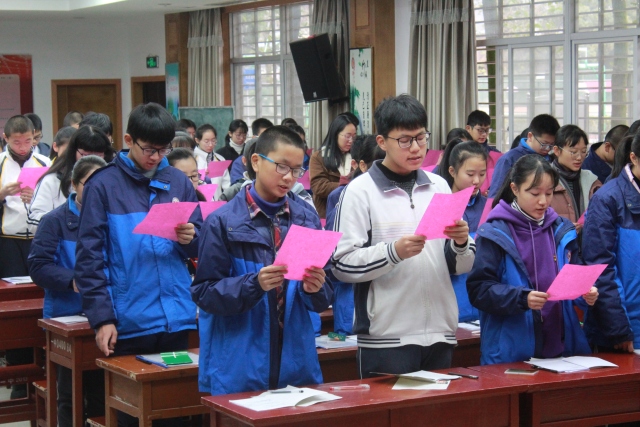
x=37 y=137
x=151 y=151
x=86 y=153
x=194 y=178
x=545 y=147
x=209 y=141
x=283 y=169
x=347 y=136
x=483 y=131
x=407 y=141
x=575 y=155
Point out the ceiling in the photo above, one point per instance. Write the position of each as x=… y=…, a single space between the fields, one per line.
x=39 y=9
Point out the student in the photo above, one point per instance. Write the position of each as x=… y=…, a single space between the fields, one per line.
x=257 y=127
x=479 y=127
x=255 y=332
x=575 y=185
x=288 y=121
x=300 y=131
x=39 y=147
x=330 y=166
x=602 y=154
x=206 y=139
x=54 y=186
x=234 y=140
x=102 y=122
x=184 y=140
x=540 y=140
x=397 y=275
x=633 y=129
x=189 y=126
x=60 y=142
x=72 y=119
x=465 y=164
x=455 y=133
x=51 y=263
x=520 y=250
x=135 y=287
x=184 y=160
x=610 y=237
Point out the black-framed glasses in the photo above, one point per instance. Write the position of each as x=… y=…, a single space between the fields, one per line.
x=194 y=178
x=407 y=141
x=37 y=137
x=151 y=151
x=574 y=154
x=483 y=131
x=545 y=147
x=283 y=169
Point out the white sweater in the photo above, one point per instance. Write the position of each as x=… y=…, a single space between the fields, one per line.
x=46 y=197
x=223 y=181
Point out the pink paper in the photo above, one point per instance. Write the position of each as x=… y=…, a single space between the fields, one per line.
x=581 y=219
x=323 y=222
x=208 y=191
x=443 y=211
x=203 y=173
x=163 y=218
x=574 y=281
x=217 y=169
x=208 y=207
x=487 y=181
x=432 y=157
x=304 y=248
x=485 y=211
x=29 y=176
x=305 y=180
x=428 y=168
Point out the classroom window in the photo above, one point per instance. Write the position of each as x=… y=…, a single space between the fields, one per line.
x=265 y=83
x=600 y=15
x=518 y=18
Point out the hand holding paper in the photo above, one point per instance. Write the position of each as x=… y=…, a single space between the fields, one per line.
x=29 y=176
x=217 y=169
x=304 y=248
x=443 y=211
x=163 y=218
x=574 y=281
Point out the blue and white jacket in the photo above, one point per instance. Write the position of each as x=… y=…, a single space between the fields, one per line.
x=137 y=281
x=238 y=321
x=611 y=235
x=52 y=258
x=499 y=285
x=504 y=164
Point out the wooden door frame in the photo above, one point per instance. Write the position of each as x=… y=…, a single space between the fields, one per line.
x=82 y=82
x=135 y=81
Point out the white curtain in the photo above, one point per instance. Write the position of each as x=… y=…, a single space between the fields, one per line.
x=205 y=59
x=331 y=17
x=442 y=63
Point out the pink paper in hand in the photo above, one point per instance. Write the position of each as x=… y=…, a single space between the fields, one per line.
x=574 y=281
x=486 y=211
x=304 y=248
x=217 y=169
x=163 y=218
x=208 y=191
x=29 y=176
x=581 y=219
x=209 y=207
x=443 y=211
x=305 y=180
x=432 y=157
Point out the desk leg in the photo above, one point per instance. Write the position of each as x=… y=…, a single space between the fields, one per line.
x=52 y=386
x=76 y=389
x=111 y=415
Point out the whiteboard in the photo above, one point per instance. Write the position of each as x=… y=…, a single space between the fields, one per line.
x=360 y=91
x=218 y=117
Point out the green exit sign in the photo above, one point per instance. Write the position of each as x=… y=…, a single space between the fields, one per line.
x=152 y=61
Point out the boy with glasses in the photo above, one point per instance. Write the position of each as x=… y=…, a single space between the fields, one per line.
x=479 y=127
x=135 y=287
x=540 y=140
x=39 y=147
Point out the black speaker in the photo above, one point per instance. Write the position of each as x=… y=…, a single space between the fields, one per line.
x=317 y=71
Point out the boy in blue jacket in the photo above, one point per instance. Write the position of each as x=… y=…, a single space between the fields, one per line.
x=255 y=332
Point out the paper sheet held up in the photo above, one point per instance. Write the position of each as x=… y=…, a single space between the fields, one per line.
x=163 y=218
x=574 y=280
x=443 y=211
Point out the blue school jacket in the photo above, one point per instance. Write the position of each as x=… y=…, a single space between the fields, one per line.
x=611 y=236
x=52 y=258
x=498 y=286
x=467 y=312
x=504 y=164
x=137 y=281
x=237 y=318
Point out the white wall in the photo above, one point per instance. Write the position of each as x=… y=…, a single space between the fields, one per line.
x=402 y=23
x=84 y=49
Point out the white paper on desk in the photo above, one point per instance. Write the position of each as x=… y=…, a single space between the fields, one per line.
x=590 y=362
x=156 y=359
x=268 y=400
x=70 y=320
x=324 y=342
x=427 y=375
x=407 y=384
x=469 y=326
x=18 y=280
x=556 y=365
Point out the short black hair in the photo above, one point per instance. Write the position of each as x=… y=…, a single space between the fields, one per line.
x=260 y=123
x=399 y=112
x=288 y=121
x=297 y=129
x=205 y=128
x=61 y=139
x=615 y=135
x=234 y=126
x=570 y=135
x=84 y=166
x=18 y=124
x=100 y=121
x=72 y=118
x=186 y=124
x=180 y=153
x=544 y=123
x=35 y=119
x=151 y=123
x=458 y=133
x=478 y=117
x=267 y=141
x=183 y=139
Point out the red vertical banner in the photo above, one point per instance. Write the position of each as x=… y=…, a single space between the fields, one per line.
x=20 y=65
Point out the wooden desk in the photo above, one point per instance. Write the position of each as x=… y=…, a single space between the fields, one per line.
x=19 y=329
x=467 y=352
x=149 y=392
x=74 y=347
x=326 y=321
x=587 y=398
x=489 y=401
x=9 y=292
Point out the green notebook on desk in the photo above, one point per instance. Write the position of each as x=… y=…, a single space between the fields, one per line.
x=176 y=358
